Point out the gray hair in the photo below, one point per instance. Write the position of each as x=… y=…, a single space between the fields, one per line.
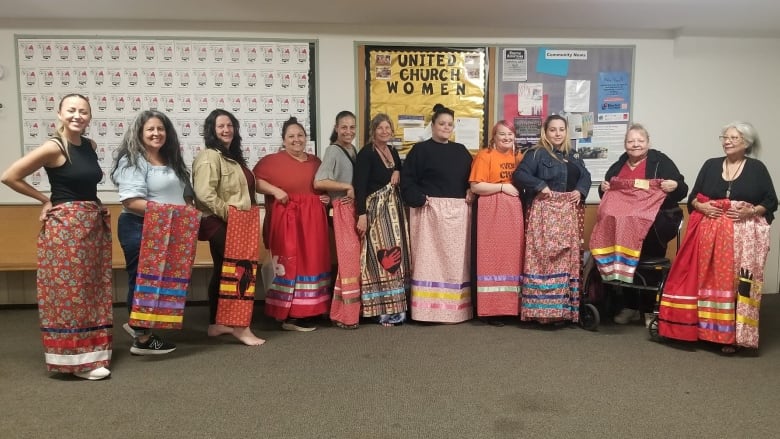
x=637 y=127
x=748 y=133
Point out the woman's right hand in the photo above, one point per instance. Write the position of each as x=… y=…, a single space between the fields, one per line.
x=281 y=196
x=544 y=193
x=604 y=186
x=361 y=225
x=45 y=211
x=708 y=210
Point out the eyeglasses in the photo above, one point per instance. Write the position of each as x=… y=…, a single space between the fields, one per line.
x=733 y=139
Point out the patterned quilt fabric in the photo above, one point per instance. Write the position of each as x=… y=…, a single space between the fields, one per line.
x=500 y=247
x=551 y=278
x=625 y=215
x=239 y=269
x=713 y=291
x=345 y=308
x=441 y=291
x=298 y=241
x=74 y=287
x=384 y=254
x=168 y=243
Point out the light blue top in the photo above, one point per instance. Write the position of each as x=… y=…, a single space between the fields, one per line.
x=152 y=183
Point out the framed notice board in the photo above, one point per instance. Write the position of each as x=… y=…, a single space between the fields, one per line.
x=405 y=82
x=590 y=86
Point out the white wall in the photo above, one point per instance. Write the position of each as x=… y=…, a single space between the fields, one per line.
x=685 y=88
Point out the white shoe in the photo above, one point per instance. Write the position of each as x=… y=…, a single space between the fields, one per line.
x=94 y=374
x=627 y=315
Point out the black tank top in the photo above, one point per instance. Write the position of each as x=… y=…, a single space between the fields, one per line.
x=78 y=178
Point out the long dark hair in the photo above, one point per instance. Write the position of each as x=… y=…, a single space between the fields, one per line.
x=210 y=136
x=132 y=145
x=342 y=114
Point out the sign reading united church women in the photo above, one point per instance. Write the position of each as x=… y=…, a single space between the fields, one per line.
x=405 y=83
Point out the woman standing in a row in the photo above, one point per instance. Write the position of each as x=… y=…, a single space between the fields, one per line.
x=74 y=300
x=435 y=183
x=223 y=182
x=383 y=225
x=555 y=182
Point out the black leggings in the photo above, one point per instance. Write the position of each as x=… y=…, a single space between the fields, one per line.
x=217 y=248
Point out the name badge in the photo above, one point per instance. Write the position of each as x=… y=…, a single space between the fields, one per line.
x=642 y=184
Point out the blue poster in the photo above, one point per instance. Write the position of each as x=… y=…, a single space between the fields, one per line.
x=551 y=66
x=613 y=103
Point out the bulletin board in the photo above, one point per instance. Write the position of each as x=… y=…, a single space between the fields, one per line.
x=261 y=82
x=405 y=82
x=590 y=86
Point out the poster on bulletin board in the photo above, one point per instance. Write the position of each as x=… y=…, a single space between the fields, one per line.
x=406 y=82
x=262 y=83
x=590 y=86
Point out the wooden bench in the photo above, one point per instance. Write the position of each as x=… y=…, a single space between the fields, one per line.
x=19 y=236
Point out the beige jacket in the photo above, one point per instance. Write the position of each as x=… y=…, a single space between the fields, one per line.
x=219 y=182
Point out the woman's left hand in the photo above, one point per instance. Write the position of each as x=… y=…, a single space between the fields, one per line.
x=395 y=178
x=668 y=186
x=325 y=199
x=741 y=213
x=574 y=197
x=469 y=196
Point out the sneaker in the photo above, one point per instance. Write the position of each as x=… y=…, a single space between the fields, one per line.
x=627 y=315
x=94 y=374
x=153 y=346
x=297 y=325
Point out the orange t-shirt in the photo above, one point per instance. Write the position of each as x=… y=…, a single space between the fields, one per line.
x=491 y=166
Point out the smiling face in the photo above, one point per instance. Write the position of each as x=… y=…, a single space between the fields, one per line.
x=294 y=140
x=556 y=132
x=153 y=135
x=383 y=133
x=441 y=128
x=223 y=128
x=637 y=144
x=75 y=114
x=503 y=138
x=733 y=143
x=345 y=130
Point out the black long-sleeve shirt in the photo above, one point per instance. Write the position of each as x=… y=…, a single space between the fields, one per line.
x=371 y=174
x=753 y=185
x=436 y=170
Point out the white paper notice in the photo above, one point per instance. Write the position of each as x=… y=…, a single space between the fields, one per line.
x=577 y=99
x=515 y=65
x=467 y=131
x=414 y=134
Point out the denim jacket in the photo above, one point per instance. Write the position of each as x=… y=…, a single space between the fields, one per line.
x=539 y=170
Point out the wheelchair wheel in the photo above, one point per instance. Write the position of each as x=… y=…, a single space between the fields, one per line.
x=652 y=328
x=589 y=317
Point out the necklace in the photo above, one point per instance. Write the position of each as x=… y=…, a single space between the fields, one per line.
x=386 y=156
x=732 y=176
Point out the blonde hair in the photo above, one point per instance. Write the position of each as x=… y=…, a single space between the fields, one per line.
x=544 y=142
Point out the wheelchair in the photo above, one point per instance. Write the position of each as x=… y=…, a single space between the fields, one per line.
x=598 y=295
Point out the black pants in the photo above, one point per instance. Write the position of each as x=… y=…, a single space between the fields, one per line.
x=217 y=248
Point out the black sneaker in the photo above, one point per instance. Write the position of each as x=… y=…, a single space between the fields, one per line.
x=153 y=346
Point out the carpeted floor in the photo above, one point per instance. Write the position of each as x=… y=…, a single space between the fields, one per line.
x=415 y=381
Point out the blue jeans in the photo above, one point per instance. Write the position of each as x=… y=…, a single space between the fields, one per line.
x=129 y=230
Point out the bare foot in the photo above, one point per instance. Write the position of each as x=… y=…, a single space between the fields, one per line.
x=244 y=334
x=217 y=330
